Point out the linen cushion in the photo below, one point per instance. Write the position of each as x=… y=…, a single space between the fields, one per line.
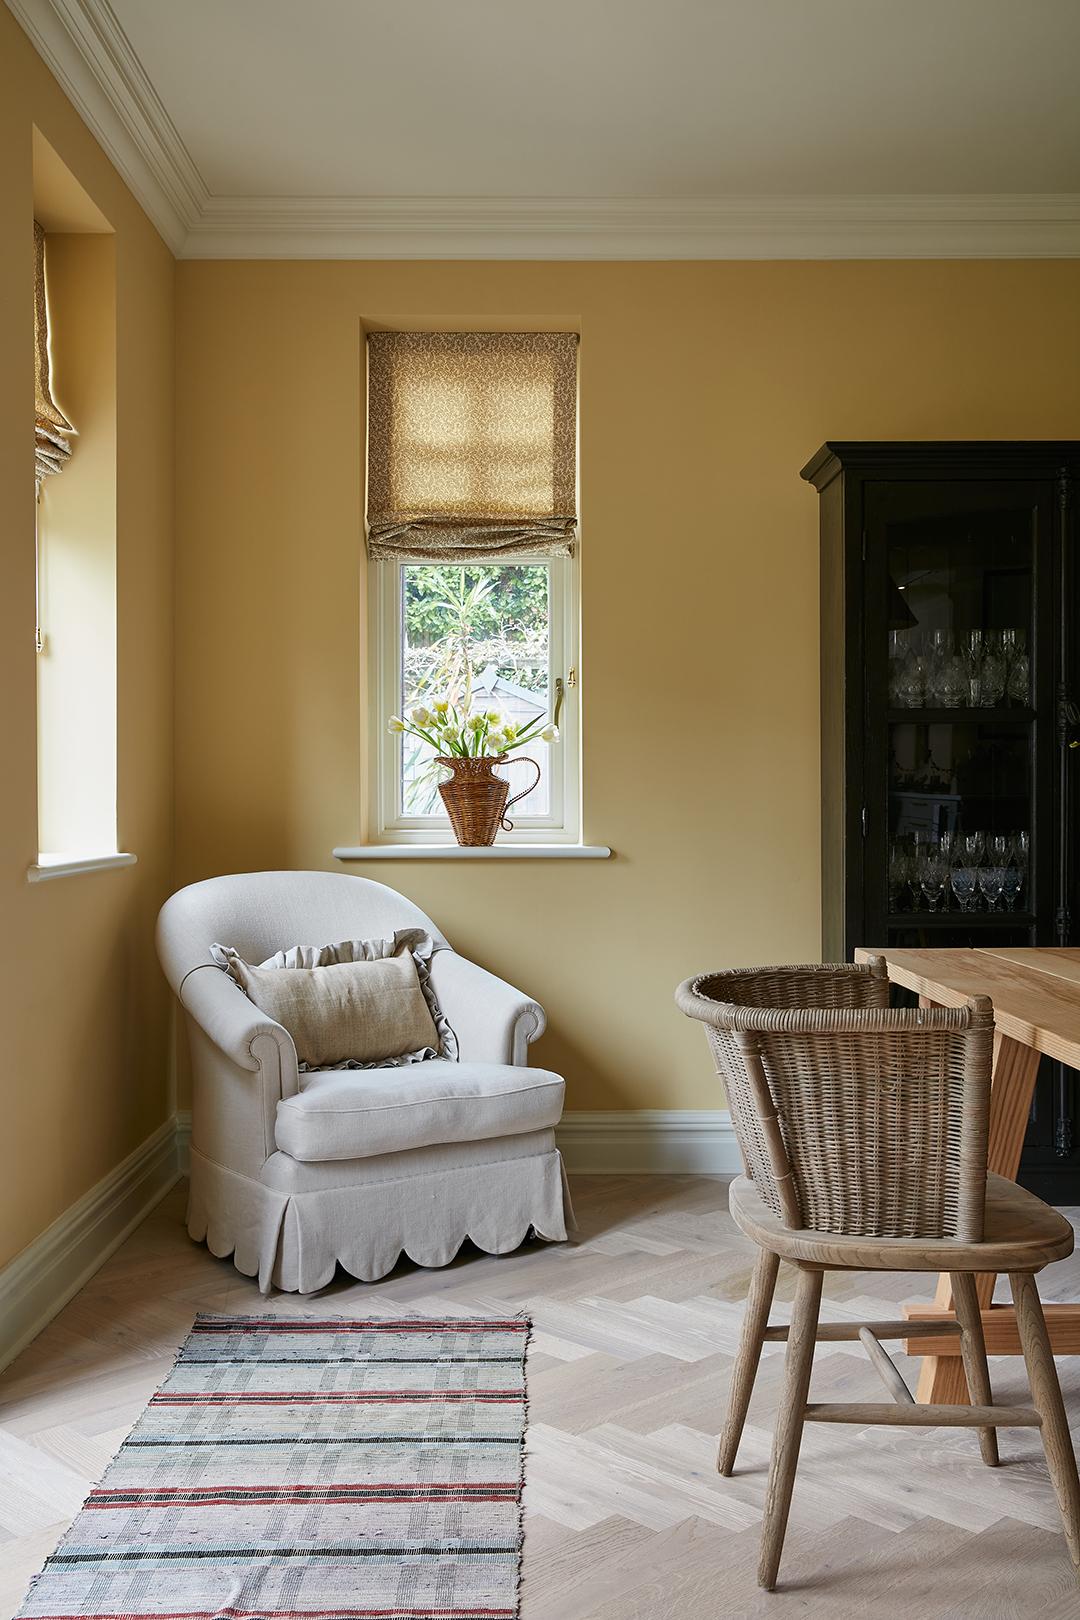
x=343 y=1115
x=359 y=1004
x=361 y=1010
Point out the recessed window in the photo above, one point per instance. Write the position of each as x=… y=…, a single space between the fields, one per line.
x=76 y=525
x=472 y=526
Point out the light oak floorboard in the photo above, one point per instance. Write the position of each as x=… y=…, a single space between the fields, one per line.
x=635 y=1331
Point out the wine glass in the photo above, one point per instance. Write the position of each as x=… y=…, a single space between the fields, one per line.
x=900 y=873
x=991 y=680
x=964 y=880
x=1019 y=682
x=910 y=684
x=972 y=848
x=997 y=848
x=951 y=685
x=991 y=881
x=1011 y=883
x=933 y=875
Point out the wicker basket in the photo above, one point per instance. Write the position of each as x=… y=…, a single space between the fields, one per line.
x=476 y=799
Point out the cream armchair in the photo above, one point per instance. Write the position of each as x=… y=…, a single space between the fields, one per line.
x=292 y=1172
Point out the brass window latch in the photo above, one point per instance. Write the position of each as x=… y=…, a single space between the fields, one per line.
x=560 y=693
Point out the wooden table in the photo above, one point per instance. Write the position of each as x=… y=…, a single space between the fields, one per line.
x=1036 y=996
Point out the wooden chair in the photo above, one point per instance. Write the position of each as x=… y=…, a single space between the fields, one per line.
x=863 y=1132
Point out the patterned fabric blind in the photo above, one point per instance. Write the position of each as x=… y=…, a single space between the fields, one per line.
x=51 y=446
x=472 y=440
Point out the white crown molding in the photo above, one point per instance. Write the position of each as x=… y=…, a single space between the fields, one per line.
x=89 y=53
x=827 y=227
x=663 y=1141
x=86 y=48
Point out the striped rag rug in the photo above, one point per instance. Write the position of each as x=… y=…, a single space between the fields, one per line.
x=325 y=1469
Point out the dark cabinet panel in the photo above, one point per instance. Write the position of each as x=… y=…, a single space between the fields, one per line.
x=948 y=607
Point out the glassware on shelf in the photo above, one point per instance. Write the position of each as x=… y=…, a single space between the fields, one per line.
x=1018 y=684
x=900 y=873
x=991 y=679
x=933 y=873
x=939 y=646
x=911 y=684
x=965 y=883
x=1012 y=881
x=972 y=848
x=997 y=848
x=949 y=843
x=991 y=882
x=951 y=685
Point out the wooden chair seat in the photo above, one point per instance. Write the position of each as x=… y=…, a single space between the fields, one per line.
x=1020 y=1233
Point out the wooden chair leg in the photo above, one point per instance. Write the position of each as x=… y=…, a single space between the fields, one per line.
x=973 y=1350
x=1046 y=1394
x=798 y=1364
x=755 y=1321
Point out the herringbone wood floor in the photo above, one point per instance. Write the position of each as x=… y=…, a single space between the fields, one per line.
x=626 y=1519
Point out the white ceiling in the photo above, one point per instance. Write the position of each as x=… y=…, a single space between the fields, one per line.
x=585 y=128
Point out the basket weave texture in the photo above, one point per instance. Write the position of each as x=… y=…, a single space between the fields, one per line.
x=475 y=798
x=874 y=1118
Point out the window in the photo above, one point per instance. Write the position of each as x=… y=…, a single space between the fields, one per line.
x=76 y=525
x=471 y=526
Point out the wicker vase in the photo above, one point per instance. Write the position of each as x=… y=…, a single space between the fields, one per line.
x=475 y=798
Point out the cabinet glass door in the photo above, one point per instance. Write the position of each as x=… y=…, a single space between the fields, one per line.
x=953 y=716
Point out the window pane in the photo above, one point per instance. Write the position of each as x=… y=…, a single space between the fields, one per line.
x=477 y=635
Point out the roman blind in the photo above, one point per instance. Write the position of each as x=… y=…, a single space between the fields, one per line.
x=472 y=445
x=51 y=446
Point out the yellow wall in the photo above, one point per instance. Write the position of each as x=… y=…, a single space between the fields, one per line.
x=83 y=1009
x=704 y=388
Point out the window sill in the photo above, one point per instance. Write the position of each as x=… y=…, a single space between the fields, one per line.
x=56 y=866
x=459 y=852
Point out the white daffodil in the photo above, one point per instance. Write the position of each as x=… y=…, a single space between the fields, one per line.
x=420 y=717
x=475 y=722
x=394 y=724
x=440 y=706
x=550 y=734
x=493 y=716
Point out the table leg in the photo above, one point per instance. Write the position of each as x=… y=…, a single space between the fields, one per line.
x=941 y=1380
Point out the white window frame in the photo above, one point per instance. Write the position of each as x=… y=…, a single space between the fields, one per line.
x=388 y=825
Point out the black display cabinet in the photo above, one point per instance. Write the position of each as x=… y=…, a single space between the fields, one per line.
x=948 y=606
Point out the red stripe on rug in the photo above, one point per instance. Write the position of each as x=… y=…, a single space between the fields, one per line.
x=335 y=1398
x=173 y=1495
x=277 y=1325
x=229 y=1613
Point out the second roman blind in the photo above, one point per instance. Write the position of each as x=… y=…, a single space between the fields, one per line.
x=472 y=445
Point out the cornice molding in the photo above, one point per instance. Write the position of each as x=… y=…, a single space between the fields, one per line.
x=84 y=45
x=826 y=227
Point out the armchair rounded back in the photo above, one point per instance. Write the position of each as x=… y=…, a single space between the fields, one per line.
x=258 y=913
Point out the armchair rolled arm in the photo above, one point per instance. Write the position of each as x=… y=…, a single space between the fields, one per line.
x=493 y=1022
x=249 y=1037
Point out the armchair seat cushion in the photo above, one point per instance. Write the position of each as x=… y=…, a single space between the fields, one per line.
x=355 y=1114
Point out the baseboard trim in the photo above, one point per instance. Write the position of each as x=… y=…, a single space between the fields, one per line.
x=659 y=1141
x=183 y=1141
x=38 y=1283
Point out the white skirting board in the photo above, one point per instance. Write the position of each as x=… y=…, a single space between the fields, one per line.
x=39 y=1282
x=664 y=1141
